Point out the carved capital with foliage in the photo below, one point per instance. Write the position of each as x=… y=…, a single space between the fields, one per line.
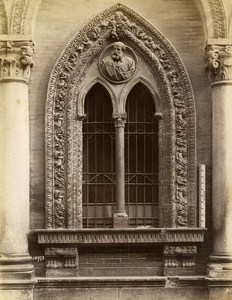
x=16 y=60
x=219 y=62
x=119 y=119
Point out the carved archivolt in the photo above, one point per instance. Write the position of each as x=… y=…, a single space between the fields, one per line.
x=64 y=124
x=19 y=16
x=219 y=18
x=3 y=18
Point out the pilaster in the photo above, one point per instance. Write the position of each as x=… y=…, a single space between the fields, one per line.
x=219 y=65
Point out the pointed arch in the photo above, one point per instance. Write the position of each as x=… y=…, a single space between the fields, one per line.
x=152 y=89
x=86 y=88
x=64 y=131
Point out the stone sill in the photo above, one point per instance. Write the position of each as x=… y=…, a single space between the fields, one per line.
x=120 y=236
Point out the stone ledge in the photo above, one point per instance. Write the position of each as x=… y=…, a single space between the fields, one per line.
x=219 y=282
x=17 y=284
x=120 y=236
x=130 y=281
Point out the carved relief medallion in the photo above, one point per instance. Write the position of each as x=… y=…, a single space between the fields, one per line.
x=118 y=63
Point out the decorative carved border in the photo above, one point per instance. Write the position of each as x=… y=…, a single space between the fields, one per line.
x=124 y=236
x=3 y=18
x=63 y=159
x=19 y=15
x=219 y=18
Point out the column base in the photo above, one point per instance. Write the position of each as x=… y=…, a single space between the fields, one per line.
x=121 y=220
x=220 y=266
x=18 y=267
x=17 y=289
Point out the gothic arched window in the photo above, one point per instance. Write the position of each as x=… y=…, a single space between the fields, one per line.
x=141 y=158
x=99 y=159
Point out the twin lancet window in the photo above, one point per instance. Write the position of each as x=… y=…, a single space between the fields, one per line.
x=120 y=161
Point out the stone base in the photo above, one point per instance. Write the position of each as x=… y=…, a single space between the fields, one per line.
x=121 y=220
x=17 y=289
x=220 y=267
x=220 y=270
x=122 y=288
x=220 y=288
x=16 y=268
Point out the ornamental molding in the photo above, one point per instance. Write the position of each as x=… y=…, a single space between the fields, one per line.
x=173 y=250
x=219 y=62
x=54 y=251
x=16 y=60
x=64 y=127
x=123 y=236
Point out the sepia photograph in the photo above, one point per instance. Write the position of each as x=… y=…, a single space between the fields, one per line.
x=116 y=150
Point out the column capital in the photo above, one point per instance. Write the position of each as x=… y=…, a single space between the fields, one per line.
x=16 y=60
x=119 y=119
x=219 y=62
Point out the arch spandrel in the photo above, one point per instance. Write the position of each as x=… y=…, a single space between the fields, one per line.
x=63 y=129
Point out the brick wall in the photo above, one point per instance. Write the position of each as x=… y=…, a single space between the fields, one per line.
x=57 y=21
x=120 y=261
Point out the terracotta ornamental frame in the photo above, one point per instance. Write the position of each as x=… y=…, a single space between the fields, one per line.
x=64 y=116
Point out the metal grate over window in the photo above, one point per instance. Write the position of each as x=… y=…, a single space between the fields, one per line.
x=141 y=158
x=98 y=160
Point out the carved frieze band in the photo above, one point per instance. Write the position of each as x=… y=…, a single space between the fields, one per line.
x=94 y=237
x=117 y=23
x=16 y=60
x=219 y=62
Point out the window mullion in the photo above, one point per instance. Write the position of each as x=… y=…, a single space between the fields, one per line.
x=120 y=215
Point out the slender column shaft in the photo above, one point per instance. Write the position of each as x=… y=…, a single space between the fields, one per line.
x=220 y=64
x=120 y=216
x=120 y=170
x=222 y=170
x=14 y=166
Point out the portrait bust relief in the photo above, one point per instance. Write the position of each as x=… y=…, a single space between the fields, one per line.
x=117 y=63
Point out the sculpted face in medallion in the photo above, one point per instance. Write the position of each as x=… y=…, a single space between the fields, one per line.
x=117 y=63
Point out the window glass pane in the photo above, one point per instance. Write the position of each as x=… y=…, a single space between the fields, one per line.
x=141 y=158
